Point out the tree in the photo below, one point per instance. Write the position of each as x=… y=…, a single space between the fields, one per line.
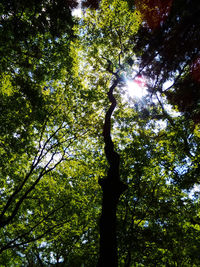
x=169 y=50
x=29 y=170
x=113 y=22
x=155 y=214
x=39 y=129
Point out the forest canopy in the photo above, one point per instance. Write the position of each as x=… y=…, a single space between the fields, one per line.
x=89 y=175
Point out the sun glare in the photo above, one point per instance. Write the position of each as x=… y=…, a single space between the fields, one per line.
x=137 y=87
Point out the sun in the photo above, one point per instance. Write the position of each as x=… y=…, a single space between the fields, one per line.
x=136 y=88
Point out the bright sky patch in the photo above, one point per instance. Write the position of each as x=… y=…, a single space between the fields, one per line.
x=136 y=87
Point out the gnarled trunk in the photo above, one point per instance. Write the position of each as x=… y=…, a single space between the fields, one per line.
x=112 y=189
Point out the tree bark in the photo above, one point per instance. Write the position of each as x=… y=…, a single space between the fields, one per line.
x=112 y=189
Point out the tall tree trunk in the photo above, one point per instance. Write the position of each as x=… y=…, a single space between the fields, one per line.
x=112 y=189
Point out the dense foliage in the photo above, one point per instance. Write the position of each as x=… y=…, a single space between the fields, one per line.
x=55 y=72
x=169 y=49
